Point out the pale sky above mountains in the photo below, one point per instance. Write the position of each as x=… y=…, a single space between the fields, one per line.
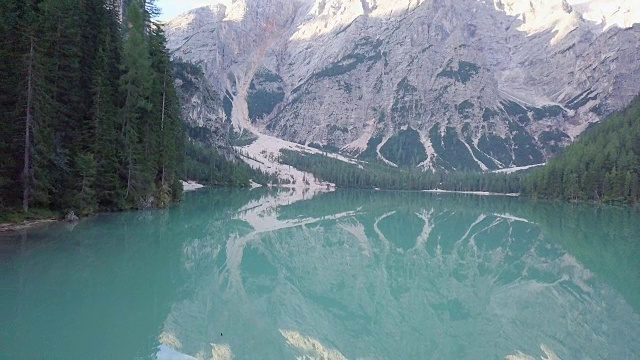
x=173 y=8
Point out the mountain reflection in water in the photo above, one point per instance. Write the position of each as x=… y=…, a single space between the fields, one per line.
x=348 y=274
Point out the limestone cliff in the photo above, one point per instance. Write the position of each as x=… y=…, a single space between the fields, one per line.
x=457 y=84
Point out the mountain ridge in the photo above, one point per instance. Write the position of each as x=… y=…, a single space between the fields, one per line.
x=482 y=85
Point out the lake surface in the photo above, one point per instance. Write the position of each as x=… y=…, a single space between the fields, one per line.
x=348 y=274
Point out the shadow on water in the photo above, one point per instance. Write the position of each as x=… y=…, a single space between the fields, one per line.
x=347 y=274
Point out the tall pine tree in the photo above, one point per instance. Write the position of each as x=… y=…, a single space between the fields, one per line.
x=90 y=116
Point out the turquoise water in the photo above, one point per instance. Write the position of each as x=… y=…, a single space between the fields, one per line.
x=348 y=274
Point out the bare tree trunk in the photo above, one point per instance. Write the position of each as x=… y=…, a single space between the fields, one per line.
x=125 y=134
x=26 y=172
x=130 y=165
x=164 y=97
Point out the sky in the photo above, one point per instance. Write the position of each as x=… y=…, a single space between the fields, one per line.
x=172 y=8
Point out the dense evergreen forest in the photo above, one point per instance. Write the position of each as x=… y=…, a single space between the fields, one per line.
x=90 y=116
x=379 y=175
x=603 y=166
x=205 y=164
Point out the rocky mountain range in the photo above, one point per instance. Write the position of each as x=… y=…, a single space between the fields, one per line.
x=436 y=84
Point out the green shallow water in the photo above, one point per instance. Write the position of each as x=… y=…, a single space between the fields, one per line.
x=349 y=274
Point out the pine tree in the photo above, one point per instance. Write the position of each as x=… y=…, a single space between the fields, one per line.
x=169 y=128
x=76 y=101
x=87 y=202
x=604 y=160
x=17 y=19
x=106 y=124
x=136 y=85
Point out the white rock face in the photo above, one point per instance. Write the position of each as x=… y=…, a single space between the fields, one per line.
x=440 y=84
x=609 y=13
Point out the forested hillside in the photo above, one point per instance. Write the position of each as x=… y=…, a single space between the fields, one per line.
x=89 y=115
x=207 y=165
x=374 y=174
x=604 y=165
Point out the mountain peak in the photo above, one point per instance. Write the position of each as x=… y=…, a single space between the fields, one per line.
x=609 y=13
x=496 y=83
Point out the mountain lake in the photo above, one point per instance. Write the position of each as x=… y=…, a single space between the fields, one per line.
x=286 y=274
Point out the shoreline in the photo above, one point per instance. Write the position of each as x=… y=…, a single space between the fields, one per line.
x=190 y=185
x=9 y=228
x=480 y=193
x=12 y=228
